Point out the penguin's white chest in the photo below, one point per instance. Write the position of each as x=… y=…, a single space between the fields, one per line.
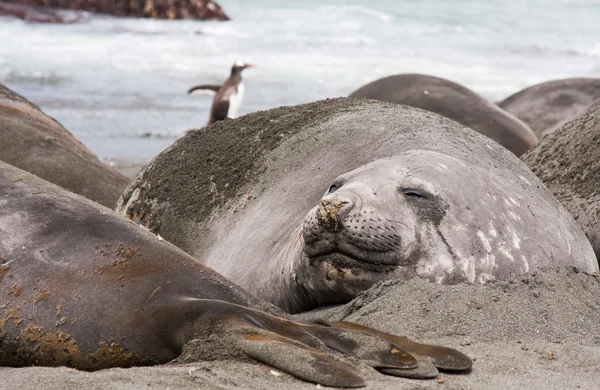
x=235 y=101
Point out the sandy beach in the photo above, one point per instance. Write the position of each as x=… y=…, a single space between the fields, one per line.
x=535 y=331
x=120 y=87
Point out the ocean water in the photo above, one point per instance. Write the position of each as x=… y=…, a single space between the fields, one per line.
x=120 y=84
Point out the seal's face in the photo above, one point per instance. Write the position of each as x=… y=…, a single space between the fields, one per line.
x=367 y=225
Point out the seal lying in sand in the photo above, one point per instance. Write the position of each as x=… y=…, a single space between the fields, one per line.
x=567 y=162
x=36 y=143
x=547 y=106
x=453 y=101
x=453 y=205
x=85 y=288
x=420 y=213
x=426 y=214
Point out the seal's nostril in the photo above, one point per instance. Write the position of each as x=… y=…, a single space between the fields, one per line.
x=330 y=213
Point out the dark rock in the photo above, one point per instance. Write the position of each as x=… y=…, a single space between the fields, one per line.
x=45 y=10
x=34 y=14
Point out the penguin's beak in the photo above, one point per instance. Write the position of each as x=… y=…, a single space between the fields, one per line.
x=249 y=66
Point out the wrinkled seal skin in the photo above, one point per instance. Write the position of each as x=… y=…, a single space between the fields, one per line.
x=85 y=288
x=453 y=101
x=45 y=11
x=567 y=162
x=547 y=106
x=246 y=187
x=36 y=143
x=426 y=214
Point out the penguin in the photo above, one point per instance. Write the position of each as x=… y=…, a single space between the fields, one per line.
x=228 y=97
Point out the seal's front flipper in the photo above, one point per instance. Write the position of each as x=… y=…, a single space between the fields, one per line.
x=424 y=370
x=443 y=358
x=370 y=349
x=299 y=360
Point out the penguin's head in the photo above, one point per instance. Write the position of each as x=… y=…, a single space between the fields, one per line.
x=238 y=66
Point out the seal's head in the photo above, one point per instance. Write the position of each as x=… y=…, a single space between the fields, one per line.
x=427 y=214
x=368 y=224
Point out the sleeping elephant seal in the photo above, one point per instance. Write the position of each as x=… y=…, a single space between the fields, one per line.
x=423 y=213
x=36 y=143
x=86 y=288
x=567 y=162
x=547 y=106
x=237 y=195
x=453 y=101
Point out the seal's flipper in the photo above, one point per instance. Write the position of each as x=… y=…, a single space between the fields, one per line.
x=425 y=370
x=370 y=349
x=363 y=339
x=298 y=360
x=444 y=358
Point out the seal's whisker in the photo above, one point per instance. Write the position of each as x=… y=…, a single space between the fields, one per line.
x=398 y=222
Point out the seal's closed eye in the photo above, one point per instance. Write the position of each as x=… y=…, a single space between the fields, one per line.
x=416 y=193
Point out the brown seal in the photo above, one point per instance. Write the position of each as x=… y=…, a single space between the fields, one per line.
x=547 y=106
x=453 y=101
x=36 y=143
x=86 y=288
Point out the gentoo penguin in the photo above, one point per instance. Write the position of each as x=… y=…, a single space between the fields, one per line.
x=228 y=98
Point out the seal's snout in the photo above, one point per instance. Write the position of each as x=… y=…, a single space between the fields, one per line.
x=331 y=213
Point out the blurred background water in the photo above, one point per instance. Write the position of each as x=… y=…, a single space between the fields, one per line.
x=120 y=84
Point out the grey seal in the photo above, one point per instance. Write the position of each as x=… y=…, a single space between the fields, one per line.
x=453 y=101
x=547 y=106
x=36 y=143
x=237 y=197
x=567 y=162
x=417 y=214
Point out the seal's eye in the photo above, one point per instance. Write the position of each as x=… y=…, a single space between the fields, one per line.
x=333 y=188
x=416 y=193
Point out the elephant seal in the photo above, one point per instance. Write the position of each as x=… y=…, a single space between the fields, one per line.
x=427 y=214
x=86 y=288
x=567 y=162
x=547 y=106
x=236 y=195
x=453 y=101
x=36 y=143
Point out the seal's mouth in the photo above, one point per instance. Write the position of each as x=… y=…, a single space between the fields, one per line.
x=344 y=260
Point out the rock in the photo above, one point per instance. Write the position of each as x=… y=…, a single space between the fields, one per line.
x=32 y=14
x=43 y=10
